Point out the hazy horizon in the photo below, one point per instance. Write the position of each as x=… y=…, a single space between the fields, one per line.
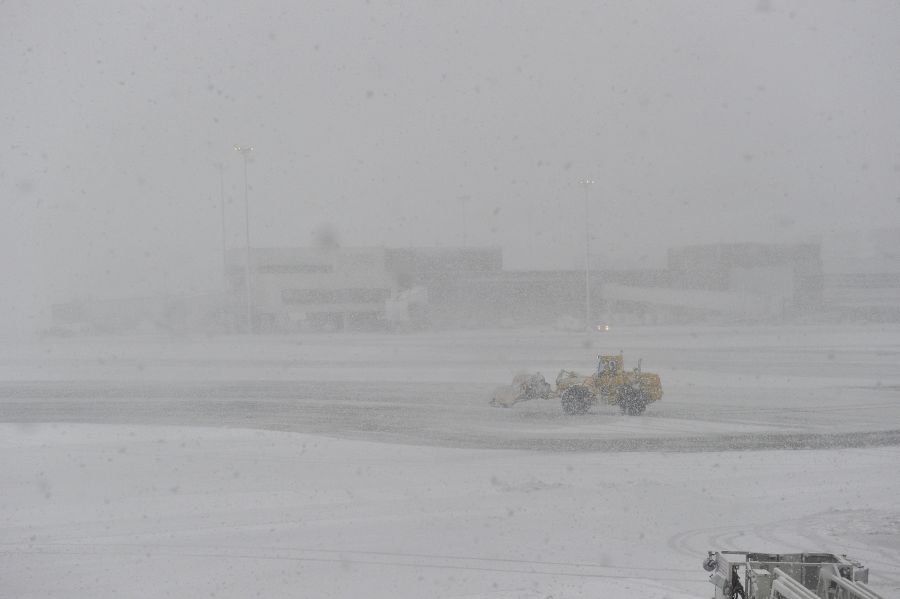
x=402 y=125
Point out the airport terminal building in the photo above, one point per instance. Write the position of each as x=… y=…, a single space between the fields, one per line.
x=359 y=288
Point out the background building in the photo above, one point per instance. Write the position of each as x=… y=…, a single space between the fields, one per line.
x=862 y=274
x=175 y=314
x=338 y=287
x=335 y=288
x=738 y=281
x=318 y=287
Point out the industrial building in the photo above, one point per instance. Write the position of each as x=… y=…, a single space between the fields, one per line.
x=862 y=275
x=333 y=288
x=336 y=288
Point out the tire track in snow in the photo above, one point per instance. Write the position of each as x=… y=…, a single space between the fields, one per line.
x=354 y=557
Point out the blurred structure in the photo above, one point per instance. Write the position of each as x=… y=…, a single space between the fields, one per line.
x=787 y=273
x=451 y=277
x=862 y=275
x=171 y=314
x=329 y=287
x=334 y=288
x=505 y=298
x=720 y=282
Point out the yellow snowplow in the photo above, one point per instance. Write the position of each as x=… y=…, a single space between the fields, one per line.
x=610 y=383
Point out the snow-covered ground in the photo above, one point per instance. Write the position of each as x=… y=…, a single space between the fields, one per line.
x=371 y=466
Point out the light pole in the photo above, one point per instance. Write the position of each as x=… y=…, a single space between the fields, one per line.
x=586 y=183
x=221 y=168
x=462 y=202
x=245 y=152
x=224 y=304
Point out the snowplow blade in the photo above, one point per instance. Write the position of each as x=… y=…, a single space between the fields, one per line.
x=505 y=397
x=523 y=388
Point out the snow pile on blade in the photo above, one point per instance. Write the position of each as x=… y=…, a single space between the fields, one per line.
x=523 y=388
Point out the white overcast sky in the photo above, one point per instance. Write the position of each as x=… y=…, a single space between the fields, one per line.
x=700 y=121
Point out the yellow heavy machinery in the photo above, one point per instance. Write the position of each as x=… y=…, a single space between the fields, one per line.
x=610 y=383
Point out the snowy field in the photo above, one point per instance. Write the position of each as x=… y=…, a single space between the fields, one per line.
x=372 y=466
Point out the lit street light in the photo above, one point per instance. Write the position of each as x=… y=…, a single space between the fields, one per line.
x=245 y=152
x=587 y=254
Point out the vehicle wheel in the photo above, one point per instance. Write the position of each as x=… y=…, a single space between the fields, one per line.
x=631 y=401
x=576 y=400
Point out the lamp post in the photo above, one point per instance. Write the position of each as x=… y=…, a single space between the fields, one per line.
x=221 y=168
x=463 y=200
x=245 y=152
x=586 y=183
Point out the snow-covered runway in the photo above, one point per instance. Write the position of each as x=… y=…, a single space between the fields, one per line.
x=372 y=466
x=725 y=388
x=139 y=511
